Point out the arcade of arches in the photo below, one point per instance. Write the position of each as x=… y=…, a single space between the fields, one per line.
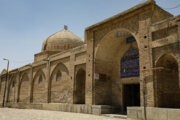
x=121 y=58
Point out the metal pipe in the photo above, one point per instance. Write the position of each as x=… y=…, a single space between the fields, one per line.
x=144 y=96
x=5 y=82
x=144 y=87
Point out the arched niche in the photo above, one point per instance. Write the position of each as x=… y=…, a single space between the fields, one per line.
x=59 y=84
x=12 y=91
x=167 y=82
x=39 y=87
x=79 y=87
x=24 y=93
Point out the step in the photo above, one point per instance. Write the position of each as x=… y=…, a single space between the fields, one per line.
x=116 y=116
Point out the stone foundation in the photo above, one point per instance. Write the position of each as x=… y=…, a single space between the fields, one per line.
x=137 y=113
x=77 y=108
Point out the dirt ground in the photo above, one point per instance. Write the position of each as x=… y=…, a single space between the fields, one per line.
x=30 y=114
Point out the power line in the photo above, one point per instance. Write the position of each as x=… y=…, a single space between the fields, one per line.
x=12 y=61
x=172 y=7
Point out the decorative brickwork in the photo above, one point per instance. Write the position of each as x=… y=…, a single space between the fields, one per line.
x=110 y=68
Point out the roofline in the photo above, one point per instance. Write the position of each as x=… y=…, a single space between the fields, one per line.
x=47 y=39
x=122 y=13
x=55 y=55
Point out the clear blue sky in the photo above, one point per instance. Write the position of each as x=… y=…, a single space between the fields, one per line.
x=25 y=24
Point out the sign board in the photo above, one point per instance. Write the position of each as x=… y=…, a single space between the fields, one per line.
x=96 y=76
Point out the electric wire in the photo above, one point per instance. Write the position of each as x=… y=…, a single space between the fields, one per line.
x=21 y=61
x=172 y=7
x=14 y=61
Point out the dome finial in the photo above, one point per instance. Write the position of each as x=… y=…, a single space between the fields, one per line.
x=65 y=27
x=151 y=0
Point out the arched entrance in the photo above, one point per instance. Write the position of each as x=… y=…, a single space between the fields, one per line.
x=167 y=82
x=117 y=70
x=79 y=87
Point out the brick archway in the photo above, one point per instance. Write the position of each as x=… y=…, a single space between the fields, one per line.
x=38 y=87
x=57 y=85
x=12 y=90
x=167 y=82
x=24 y=95
x=109 y=53
x=79 y=87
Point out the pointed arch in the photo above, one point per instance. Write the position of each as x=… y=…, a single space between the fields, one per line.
x=58 y=77
x=12 y=89
x=38 y=87
x=60 y=66
x=79 y=87
x=167 y=82
x=115 y=31
x=117 y=59
x=24 y=88
x=160 y=58
x=39 y=74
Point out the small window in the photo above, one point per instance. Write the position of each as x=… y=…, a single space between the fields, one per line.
x=45 y=47
x=13 y=84
x=58 y=76
x=40 y=79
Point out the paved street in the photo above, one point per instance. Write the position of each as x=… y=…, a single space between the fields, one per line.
x=29 y=114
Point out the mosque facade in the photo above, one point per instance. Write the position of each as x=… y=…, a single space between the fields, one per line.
x=130 y=59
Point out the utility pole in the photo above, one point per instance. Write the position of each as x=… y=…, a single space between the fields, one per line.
x=144 y=87
x=5 y=82
x=144 y=96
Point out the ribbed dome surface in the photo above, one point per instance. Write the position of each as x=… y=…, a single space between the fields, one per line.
x=60 y=41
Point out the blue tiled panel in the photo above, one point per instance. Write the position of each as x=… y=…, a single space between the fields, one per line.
x=130 y=63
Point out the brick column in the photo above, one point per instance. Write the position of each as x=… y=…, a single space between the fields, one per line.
x=179 y=50
x=89 y=90
x=145 y=50
x=17 y=86
x=30 y=85
x=47 y=85
x=7 y=89
x=72 y=73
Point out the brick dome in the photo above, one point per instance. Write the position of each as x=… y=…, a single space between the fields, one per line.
x=60 y=41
